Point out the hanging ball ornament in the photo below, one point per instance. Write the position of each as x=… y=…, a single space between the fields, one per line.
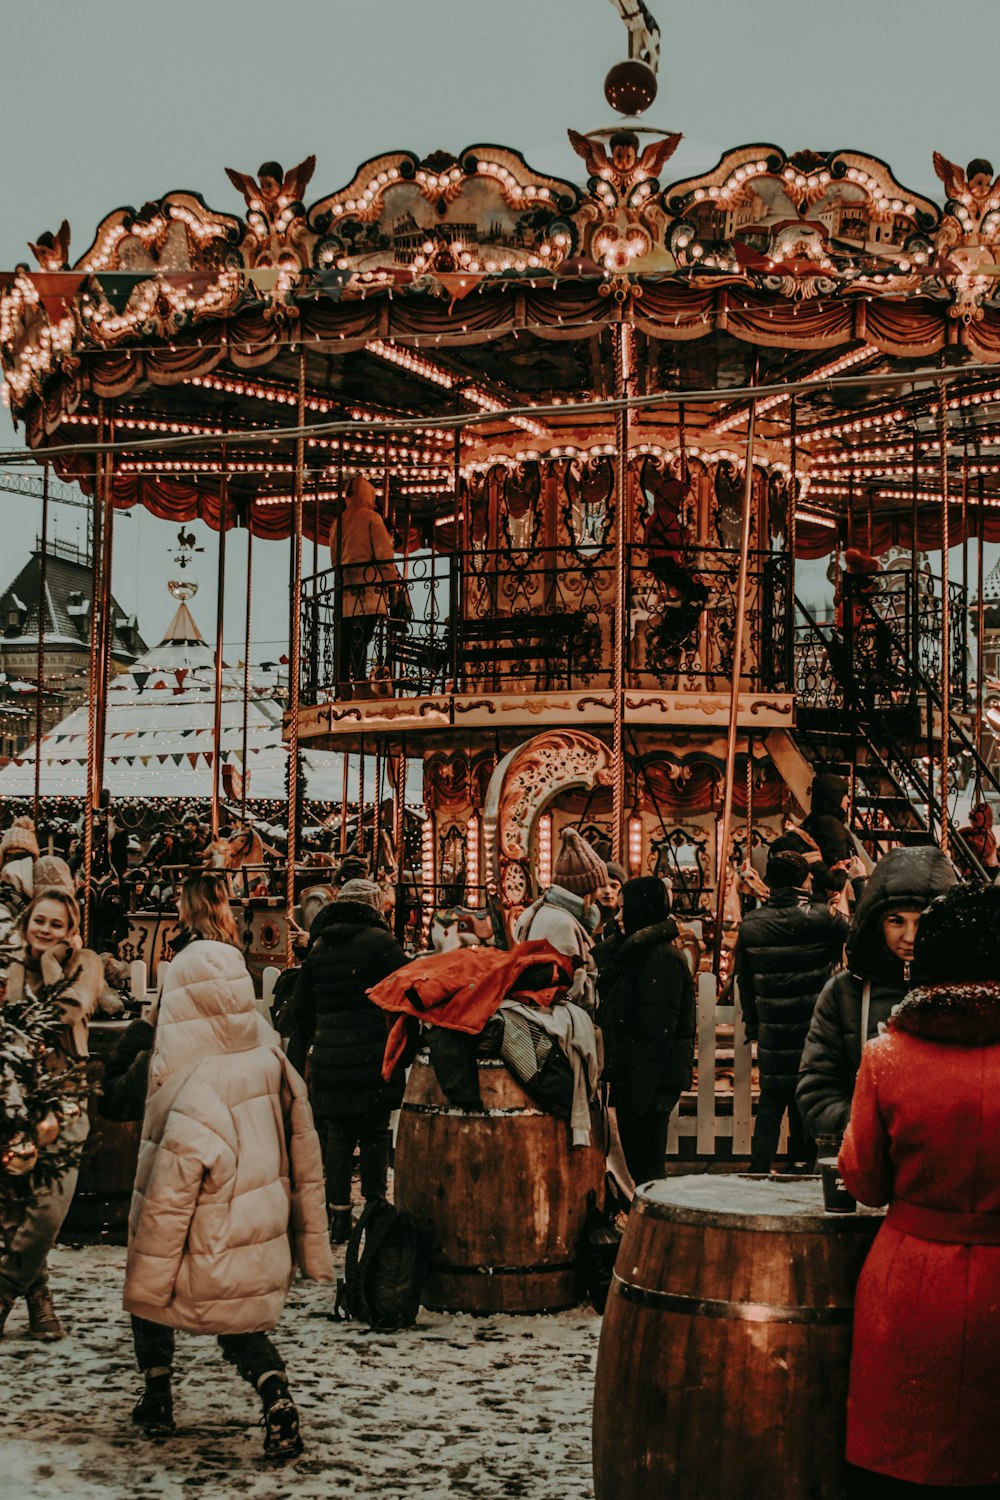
x=630 y=87
x=20 y=1156
x=47 y=1129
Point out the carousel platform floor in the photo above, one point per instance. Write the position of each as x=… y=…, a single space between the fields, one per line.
x=339 y=726
x=457 y=1406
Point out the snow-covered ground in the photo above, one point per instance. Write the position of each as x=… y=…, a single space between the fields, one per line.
x=457 y=1406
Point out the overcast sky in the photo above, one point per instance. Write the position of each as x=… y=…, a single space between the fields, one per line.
x=112 y=102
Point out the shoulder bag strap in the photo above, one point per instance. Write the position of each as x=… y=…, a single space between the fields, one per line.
x=866 y=1006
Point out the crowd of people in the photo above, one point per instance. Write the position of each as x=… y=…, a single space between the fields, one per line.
x=877 y=1034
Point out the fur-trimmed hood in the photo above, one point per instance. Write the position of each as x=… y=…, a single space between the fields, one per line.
x=956 y=1015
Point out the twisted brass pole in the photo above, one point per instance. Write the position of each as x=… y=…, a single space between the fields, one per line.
x=734 y=695
x=945 y=620
x=618 y=836
x=294 y=654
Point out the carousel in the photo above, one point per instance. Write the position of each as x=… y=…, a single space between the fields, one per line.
x=602 y=423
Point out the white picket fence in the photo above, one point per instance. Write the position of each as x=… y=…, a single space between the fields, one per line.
x=139 y=980
x=723 y=1105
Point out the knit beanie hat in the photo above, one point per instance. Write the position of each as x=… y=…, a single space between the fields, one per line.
x=20 y=835
x=958 y=939
x=578 y=868
x=365 y=892
x=352 y=867
x=616 y=872
x=644 y=903
x=53 y=873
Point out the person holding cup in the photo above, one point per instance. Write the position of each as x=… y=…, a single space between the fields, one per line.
x=924 y=1138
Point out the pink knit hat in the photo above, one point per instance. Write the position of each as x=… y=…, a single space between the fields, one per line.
x=578 y=868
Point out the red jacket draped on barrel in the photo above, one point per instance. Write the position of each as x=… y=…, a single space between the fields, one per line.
x=924 y=1137
x=461 y=990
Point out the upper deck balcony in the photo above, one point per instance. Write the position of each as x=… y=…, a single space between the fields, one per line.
x=494 y=638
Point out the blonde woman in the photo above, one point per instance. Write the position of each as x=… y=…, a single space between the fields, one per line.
x=51 y=964
x=229 y=1189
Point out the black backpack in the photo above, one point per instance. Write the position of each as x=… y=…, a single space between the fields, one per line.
x=385 y=1267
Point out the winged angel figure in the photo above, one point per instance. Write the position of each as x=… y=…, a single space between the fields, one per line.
x=968 y=237
x=276 y=214
x=627 y=220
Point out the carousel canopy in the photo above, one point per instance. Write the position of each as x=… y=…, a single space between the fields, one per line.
x=448 y=313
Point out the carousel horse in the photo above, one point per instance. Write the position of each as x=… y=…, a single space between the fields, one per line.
x=243 y=848
x=461 y=927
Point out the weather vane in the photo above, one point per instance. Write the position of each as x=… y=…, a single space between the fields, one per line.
x=185 y=588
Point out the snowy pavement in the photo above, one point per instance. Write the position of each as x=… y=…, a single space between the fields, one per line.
x=456 y=1407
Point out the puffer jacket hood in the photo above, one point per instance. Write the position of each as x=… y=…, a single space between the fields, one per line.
x=905 y=877
x=207 y=1008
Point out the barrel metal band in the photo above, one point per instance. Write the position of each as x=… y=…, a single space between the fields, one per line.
x=746 y=1312
x=551 y=1269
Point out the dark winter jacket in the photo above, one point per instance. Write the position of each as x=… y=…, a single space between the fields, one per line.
x=331 y=1012
x=647 y=1014
x=786 y=950
x=832 y=1053
x=827 y=821
x=125 y=1080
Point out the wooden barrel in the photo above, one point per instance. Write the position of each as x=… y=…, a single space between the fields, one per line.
x=502 y=1194
x=723 y=1362
x=104 y=1191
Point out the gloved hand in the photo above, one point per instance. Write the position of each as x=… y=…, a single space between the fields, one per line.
x=54 y=961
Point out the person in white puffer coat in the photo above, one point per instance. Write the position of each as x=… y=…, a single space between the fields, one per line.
x=229 y=1194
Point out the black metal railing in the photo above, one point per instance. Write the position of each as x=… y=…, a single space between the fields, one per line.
x=485 y=620
x=868 y=672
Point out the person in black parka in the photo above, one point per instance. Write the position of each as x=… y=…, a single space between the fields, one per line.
x=785 y=953
x=827 y=820
x=862 y=996
x=647 y=1014
x=331 y=1012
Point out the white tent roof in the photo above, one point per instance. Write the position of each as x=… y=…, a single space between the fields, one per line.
x=159 y=733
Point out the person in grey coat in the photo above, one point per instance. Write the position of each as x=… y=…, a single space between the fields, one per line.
x=856 y=1001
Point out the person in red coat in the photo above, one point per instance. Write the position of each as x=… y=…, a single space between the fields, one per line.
x=924 y=1138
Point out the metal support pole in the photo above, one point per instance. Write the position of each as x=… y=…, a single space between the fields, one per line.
x=294 y=652
x=220 y=622
x=40 y=666
x=246 y=664
x=107 y=625
x=734 y=698
x=377 y=811
x=945 y=620
x=345 y=804
x=980 y=627
x=93 y=685
x=622 y=335
x=914 y=571
x=399 y=840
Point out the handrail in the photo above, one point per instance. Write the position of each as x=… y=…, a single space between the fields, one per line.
x=881 y=741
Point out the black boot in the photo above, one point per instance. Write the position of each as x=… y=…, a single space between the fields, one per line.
x=282 y=1439
x=340 y=1225
x=154 y=1411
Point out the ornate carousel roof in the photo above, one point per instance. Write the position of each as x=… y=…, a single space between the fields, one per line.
x=471 y=292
